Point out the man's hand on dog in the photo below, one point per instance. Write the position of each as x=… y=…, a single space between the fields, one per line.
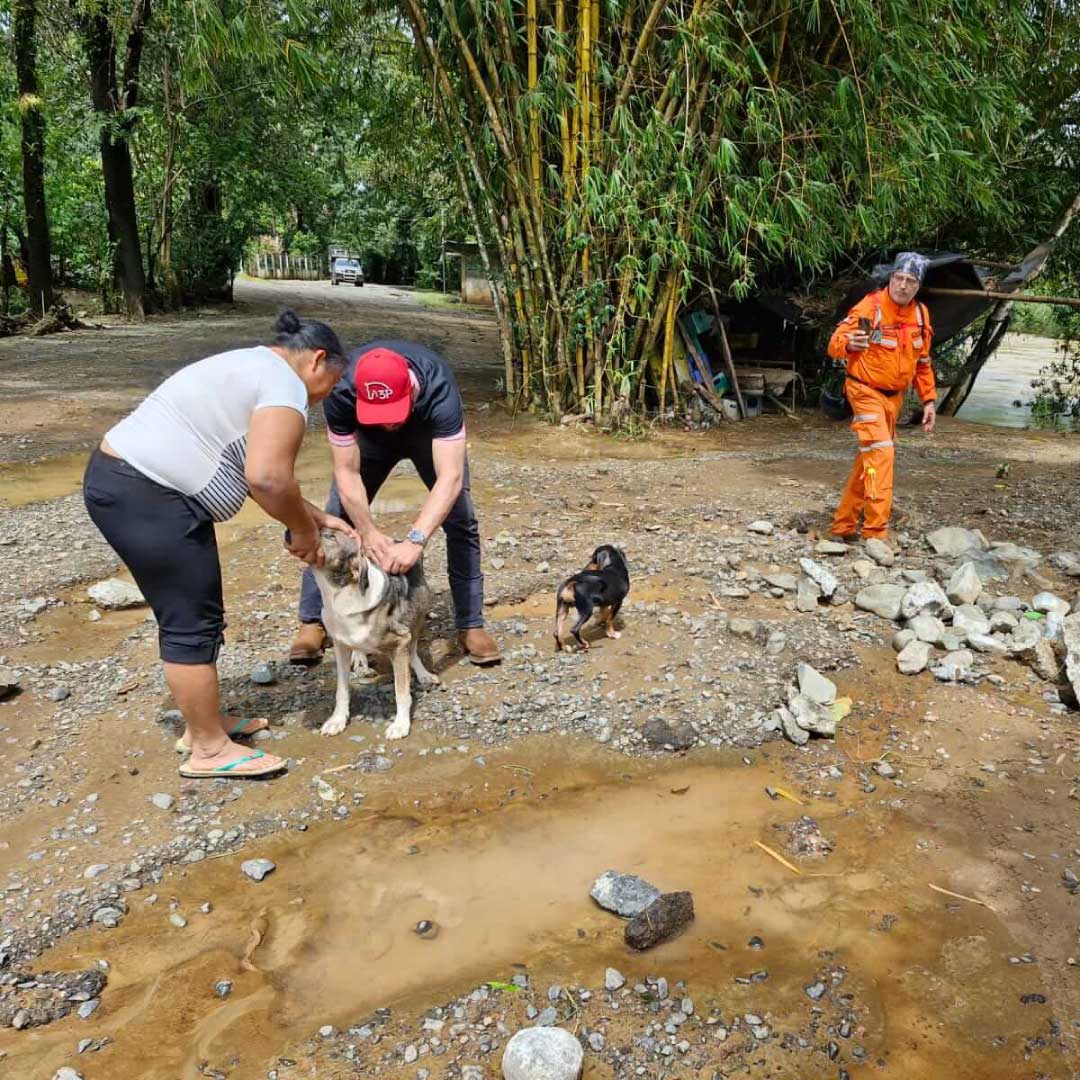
x=401 y=557
x=305 y=545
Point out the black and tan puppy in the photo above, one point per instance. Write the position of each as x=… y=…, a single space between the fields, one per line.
x=603 y=584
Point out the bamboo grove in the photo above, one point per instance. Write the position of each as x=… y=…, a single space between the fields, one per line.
x=617 y=155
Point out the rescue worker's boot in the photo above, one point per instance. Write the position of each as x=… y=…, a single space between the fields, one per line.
x=480 y=647
x=309 y=645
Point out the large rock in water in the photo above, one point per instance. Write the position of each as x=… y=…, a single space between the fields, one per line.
x=625 y=894
x=114 y=594
x=883 y=600
x=1071 y=632
x=953 y=541
x=663 y=919
x=543 y=1053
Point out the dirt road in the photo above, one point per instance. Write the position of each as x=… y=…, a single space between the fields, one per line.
x=519 y=785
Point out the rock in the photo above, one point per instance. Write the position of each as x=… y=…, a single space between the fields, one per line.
x=59 y=693
x=660 y=735
x=114 y=594
x=786 y=582
x=831 y=547
x=542 y=1053
x=177 y=920
x=903 y=638
x=1003 y=621
x=824 y=578
x=88 y=1008
x=1012 y=553
x=263 y=675
x=776 y=643
x=791 y=728
x=816 y=991
x=964 y=586
x=762 y=528
x=1071 y=632
x=162 y=800
x=67 y=1073
x=884 y=769
x=914 y=658
x=596 y=1041
x=95 y=871
x=880 y=552
x=257 y=869
x=9 y=682
x=1008 y=603
x=108 y=916
x=928 y=628
x=987 y=643
x=223 y=988
x=750 y=628
x=624 y=894
x=882 y=600
x=1048 y=603
x=1024 y=638
x=1044 y=662
x=614 y=979
x=971 y=620
x=806 y=839
x=666 y=917
x=954 y=666
x=810 y=716
x=815 y=686
x=807 y=595
x=925 y=598
x=954 y=541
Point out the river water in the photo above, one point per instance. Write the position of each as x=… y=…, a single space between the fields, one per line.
x=1007 y=378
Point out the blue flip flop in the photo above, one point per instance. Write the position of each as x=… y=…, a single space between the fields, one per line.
x=234 y=732
x=227 y=770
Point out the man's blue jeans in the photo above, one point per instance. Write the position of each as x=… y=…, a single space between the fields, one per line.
x=378 y=456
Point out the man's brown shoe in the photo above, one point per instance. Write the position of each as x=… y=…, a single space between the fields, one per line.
x=308 y=647
x=479 y=646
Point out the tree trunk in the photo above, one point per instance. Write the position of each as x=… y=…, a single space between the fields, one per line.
x=112 y=104
x=39 y=261
x=998 y=320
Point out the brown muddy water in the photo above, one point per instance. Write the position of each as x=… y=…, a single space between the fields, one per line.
x=501 y=858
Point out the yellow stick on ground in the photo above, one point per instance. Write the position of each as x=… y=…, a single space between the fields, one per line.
x=778 y=857
x=787 y=795
x=960 y=896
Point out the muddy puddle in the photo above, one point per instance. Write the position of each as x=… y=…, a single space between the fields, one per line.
x=501 y=858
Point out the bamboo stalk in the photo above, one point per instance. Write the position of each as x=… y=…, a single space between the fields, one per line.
x=644 y=40
x=669 y=348
x=534 y=116
x=564 y=124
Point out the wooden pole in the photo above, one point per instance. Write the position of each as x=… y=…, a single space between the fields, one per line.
x=729 y=362
x=993 y=294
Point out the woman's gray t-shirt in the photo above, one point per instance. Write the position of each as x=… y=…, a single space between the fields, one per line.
x=190 y=434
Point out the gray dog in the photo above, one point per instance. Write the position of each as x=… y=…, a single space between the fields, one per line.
x=373 y=613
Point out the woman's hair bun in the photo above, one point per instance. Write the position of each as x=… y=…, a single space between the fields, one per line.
x=288 y=322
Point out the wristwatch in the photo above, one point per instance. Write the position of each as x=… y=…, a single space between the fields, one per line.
x=415 y=536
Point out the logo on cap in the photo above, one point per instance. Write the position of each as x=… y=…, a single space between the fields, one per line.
x=378 y=391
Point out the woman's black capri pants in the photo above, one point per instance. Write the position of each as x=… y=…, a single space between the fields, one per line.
x=167 y=541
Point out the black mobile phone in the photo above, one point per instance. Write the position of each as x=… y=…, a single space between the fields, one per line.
x=865 y=325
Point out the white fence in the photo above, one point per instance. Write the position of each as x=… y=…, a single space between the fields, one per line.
x=304 y=267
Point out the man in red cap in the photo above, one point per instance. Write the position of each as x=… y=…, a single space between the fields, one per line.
x=396 y=401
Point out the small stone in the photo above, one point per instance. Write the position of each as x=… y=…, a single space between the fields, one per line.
x=411 y=1054
x=9 y=682
x=88 y=1008
x=880 y=552
x=624 y=894
x=807 y=595
x=882 y=600
x=954 y=541
x=596 y=1041
x=687 y=1006
x=965 y=586
x=59 y=693
x=1048 y=604
x=257 y=869
x=108 y=917
x=762 y=528
x=542 y=1053
x=67 y=1073
x=543 y=568
x=660 y=735
x=548 y=1017
x=824 y=578
x=662 y=920
x=749 y=628
x=928 y=628
x=162 y=800
x=95 y=871
x=426 y=929
x=114 y=594
x=263 y=675
x=925 y=598
x=222 y=988
x=177 y=920
x=884 y=769
x=914 y=658
x=954 y=666
x=327 y=1031
x=902 y=639
x=614 y=979
x=831 y=547
x=815 y=686
x=815 y=991
x=793 y=730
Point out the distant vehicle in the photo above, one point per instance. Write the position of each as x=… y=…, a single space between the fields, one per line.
x=346 y=270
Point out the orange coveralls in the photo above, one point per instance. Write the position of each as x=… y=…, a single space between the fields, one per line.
x=899 y=354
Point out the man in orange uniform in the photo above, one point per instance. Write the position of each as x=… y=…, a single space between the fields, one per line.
x=885 y=344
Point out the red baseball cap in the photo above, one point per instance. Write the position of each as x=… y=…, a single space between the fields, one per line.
x=383 y=388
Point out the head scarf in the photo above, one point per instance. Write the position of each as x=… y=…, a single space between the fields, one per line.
x=911 y=262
